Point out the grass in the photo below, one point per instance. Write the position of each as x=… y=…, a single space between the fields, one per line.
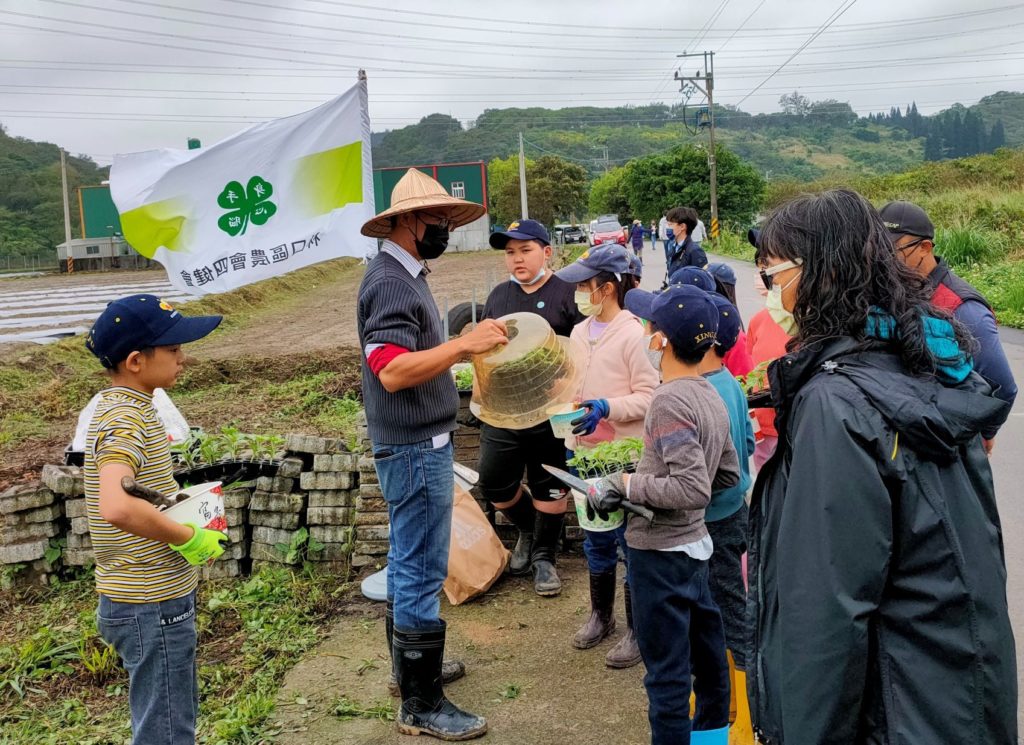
x=1003 y=285
x=60 y=683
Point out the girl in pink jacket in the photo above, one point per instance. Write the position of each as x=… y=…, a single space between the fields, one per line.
x=616 y=389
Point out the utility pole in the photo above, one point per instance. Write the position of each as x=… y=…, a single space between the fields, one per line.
x=522 y=180
x=707 y=77
x=67 y=211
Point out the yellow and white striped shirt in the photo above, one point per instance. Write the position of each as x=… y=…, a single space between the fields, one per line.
x=129 y=569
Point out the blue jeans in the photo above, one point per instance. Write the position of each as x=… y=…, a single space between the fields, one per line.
x=157 y=644
x=679 y=630
x=601 y=549
x=418 y=482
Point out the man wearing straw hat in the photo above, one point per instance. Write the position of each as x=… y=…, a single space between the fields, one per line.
x=411 y=402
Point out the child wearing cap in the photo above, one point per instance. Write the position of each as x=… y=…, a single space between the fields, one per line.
x=146 y=564
x=726 y=517
x=505 y=454
x=688 y=454
x=616 y=390
x=737 y=359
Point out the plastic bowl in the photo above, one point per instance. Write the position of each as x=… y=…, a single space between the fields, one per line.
x=615 y=519
x=561 y=417
x=203 y=507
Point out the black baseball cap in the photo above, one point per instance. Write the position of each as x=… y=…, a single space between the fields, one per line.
x=728 y=322
x=754 y=237
x=140 y=321
x=521 y=230
x=906 y=218
x=684 y=313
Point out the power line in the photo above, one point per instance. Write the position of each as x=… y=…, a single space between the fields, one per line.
x=740 y=27
x=836 y=15
x=449 y=97
x=277 y=32
x=505 y=22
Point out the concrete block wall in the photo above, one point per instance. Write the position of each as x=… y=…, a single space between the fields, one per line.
x=320 y=486
x=316 y=488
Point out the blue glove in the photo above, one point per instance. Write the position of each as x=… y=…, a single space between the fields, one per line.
x=606 y=496
x=597 y=409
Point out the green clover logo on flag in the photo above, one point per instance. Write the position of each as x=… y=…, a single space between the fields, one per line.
x=251 y=204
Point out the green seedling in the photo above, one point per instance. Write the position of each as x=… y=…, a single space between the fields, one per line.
x=608 y=457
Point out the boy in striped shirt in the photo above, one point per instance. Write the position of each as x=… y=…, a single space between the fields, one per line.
x=146 y=563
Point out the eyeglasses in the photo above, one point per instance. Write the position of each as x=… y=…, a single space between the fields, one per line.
x=908 y=246
x=442 y=222
x=767 y=274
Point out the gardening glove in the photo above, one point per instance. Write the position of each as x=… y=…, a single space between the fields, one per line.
x=204 y=546
x=597 y=409
x=606 y=496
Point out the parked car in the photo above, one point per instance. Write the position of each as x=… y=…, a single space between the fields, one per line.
x=607 y=231
x=570 y=234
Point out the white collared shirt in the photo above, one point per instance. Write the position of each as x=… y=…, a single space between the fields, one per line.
x=406 y=259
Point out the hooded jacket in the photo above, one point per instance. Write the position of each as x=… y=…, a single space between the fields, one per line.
x=878 y=580
x=615 y=368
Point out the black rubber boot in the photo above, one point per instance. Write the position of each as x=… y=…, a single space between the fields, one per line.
x=451 y=670
x=546 y=532
x=425 y=710
x=627 y=652
x=602 y=611
x=522 y=515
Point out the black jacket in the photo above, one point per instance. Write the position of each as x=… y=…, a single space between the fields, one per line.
x=877 y=575
x=686 y=253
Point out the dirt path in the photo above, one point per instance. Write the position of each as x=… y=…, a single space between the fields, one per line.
x=511 y=638
x=325 y=316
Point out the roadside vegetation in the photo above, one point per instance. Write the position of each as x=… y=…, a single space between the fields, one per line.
x=977 y=205
x=61 y=683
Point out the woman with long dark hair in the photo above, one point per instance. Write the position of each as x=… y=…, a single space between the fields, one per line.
x=878 y=579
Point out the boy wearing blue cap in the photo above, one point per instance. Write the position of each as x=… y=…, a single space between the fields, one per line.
x=146 y=564
x=726 y=517
x=688 y=454
x=538 y=510
x=615 y=392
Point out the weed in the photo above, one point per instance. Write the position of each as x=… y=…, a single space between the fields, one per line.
x=296 y=550
x=366 y=665
x=38 y=657
x=346 y=708
x=510 y=692
x=55 y=550
x=99 y=659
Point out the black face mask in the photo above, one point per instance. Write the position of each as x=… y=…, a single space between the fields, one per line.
x=433 y=243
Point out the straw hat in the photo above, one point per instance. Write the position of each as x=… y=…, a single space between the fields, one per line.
x=416 y=191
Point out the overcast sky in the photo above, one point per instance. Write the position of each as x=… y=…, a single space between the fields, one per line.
x=126 y=75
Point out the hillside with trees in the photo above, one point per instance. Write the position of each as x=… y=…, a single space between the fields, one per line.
x=805 y=139
x=577 y=157
x=31 y=208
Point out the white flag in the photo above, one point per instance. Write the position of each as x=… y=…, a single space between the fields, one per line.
x=272 y=198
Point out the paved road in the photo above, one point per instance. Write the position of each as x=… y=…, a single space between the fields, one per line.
x=1007 y=460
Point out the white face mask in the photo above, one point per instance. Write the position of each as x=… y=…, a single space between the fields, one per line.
x=584 y=303
x=654 y=355
x=537 y=278
x=773 y=302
